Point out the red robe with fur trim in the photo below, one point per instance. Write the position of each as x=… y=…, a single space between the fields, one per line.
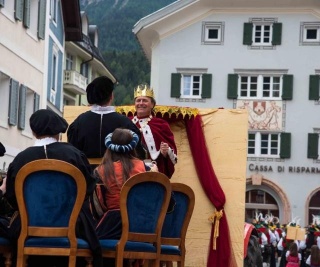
x=153 y=132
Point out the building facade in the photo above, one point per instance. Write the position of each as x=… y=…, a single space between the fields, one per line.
x=39 y=40
x=259 y=56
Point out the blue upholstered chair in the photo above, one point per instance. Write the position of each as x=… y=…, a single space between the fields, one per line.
x=6 y=251
x=50 y=194
x=175 y=226
x=144 y=201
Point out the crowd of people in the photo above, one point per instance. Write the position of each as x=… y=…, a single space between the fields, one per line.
x=126 y=146
x=282 y=249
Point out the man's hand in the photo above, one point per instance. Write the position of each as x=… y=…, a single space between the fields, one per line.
x=164 y=148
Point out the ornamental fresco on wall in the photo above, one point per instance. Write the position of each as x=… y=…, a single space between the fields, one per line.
x=263 y=115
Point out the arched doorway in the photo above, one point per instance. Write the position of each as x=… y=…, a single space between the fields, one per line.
x=266 y=198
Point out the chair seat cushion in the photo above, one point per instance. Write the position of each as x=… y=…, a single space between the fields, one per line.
x=57 y=242
x=171 y=250
x=110 y=244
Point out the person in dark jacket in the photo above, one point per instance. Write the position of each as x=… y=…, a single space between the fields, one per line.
x=88 y=131
x=47 y=126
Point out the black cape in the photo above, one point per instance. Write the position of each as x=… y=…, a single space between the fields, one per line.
x=89 y=130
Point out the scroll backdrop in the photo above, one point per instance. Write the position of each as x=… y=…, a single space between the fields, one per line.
x=212 y=153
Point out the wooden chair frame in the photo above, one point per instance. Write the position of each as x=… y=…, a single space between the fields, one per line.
x=179 y=242
x=120 y=253
x=26 y=230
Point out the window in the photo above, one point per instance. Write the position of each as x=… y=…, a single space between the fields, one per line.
x=69 y=62
x=191 y=83
x=54 y=9
x=31 y=22
x=8 y=9
x=263 y=144
x=262 y=32
x=260 y=86
x=310 y=33
x=212 y=33
x=272 y=145
x=84 y=69
x=259 y=201
x=4 y=99
x=54 y=76
x=31 y=106
x=314 y=206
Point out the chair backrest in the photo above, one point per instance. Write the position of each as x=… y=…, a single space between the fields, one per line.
x=50 y=194
x=144 y=200
x=176 y=223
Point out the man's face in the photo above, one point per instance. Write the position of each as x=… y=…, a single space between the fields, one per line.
x=143 y=106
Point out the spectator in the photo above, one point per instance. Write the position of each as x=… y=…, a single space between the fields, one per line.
x=46 y=127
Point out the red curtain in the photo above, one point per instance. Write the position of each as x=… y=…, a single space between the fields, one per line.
x=222 y=255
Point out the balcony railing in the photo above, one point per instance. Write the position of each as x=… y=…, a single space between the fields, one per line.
x=74 y=82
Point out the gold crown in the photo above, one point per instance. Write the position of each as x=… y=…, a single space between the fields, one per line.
x=143 y=90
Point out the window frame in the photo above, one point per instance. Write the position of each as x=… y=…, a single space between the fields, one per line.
x=262 y=37
x=209 y=25
x=258 y=144
x=259 y=86
x=304 y=27
x=205 y=84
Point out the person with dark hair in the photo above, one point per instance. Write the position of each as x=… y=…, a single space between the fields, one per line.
x=314 y=257
x=293 y=257
x=89 y=129
x=47 y=126
x=2 y=150
x=119 y=163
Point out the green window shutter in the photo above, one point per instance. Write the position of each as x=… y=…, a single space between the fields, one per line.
x=247 y=33
x=285 y=145
x=232 y=86
x=313 y=144
x=13 y=102
x=206 y=85
x=175 y=85
x=314 y=87
x=276 y=33
x=18 y=9
x=26 y=14
x=287 y=87
x=36 y=102
x=22 y=107
x=1 y=3
x=42 y=19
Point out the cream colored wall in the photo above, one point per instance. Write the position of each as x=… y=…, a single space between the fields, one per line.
x=226 y=136
x=22 y=58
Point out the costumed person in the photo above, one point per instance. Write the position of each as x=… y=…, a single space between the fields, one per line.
x=157 y=136
x=119 y=163
x=293 y=256
x=47 y=127
x=89 y=129
x=6 y=211
x=314 y=257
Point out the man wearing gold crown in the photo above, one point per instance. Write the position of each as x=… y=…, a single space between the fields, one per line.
x=157 y=136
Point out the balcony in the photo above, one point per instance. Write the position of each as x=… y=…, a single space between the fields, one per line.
x=74 y=82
